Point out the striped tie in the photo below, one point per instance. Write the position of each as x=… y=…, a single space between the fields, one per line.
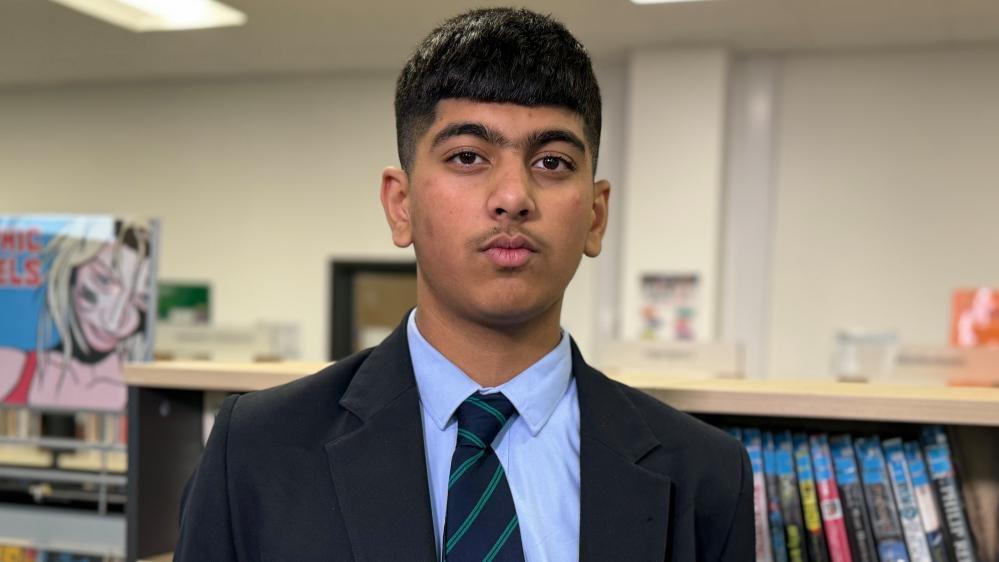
x=481 y=523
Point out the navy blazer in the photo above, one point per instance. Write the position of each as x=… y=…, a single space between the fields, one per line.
x=332 y=467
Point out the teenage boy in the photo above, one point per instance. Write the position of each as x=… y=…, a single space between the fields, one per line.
x=476 y=431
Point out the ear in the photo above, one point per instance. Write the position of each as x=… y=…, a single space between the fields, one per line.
x=595 y=236
x=395 y=203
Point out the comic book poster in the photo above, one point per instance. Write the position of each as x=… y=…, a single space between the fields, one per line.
x=975 y=318
x=669 y=307
x=75 y=293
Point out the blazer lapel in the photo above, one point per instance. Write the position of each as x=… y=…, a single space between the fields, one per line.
x=624 y=508
x=379 y=469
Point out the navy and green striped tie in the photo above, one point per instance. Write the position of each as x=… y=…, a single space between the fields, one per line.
x=481 y=523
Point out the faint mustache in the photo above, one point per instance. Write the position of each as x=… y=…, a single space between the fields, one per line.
x=480 y=241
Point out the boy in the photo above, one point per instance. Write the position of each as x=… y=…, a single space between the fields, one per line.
x=476 y=431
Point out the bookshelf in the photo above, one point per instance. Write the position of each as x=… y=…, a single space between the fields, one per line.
x=166 y=409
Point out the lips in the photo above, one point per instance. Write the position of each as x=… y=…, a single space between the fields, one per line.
x=510 y=251
x=99 y=338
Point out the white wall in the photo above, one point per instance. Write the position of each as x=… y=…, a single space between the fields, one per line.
x=258 y=183
x=888 y=185
x=673 y=174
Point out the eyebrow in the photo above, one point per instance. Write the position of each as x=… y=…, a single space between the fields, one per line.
x=533 y=141
x=478 y=130
x=540 y=138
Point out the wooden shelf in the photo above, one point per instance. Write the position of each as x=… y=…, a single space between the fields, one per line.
x=797 y=398
x=773 y=398
x=209 y=375
x=19 y=455
x=94 y=461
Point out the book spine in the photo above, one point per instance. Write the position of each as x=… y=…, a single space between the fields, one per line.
x=851 y=492
x=908 y=509
x=814 y=537
x=829 y=503
x=928 y=510
x=790 y=500
x=942 y=473
x=753 y=442
x=773 y=499
x=880 y=503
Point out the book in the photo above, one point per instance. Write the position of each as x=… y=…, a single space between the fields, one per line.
x=25 y=553
x=937 y=450
x=880 y=501
x=790 y=499
x=829 y=503
x=908 y=509
x=814 y=538
x=928 y=510
x=753 y=442
x=775 y=516
x=851 y=492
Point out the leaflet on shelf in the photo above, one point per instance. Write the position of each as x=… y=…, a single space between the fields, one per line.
x=790 y=499
x=774 y=515
x=829 y=502
x=880 y=501
x=938 y=460
x=858 y=523
x=753 y=442
x=928 y=511
x=908 y=509
x=814 y=537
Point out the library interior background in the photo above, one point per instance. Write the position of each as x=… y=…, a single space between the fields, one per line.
x=802 y=247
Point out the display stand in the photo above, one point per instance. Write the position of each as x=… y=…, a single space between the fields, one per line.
x=165 y=438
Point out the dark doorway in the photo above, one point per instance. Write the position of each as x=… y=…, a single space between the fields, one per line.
x=368 y=298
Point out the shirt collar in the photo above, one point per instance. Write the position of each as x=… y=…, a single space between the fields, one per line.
x=535 y=392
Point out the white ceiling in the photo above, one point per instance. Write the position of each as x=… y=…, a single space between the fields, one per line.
x=42 y=42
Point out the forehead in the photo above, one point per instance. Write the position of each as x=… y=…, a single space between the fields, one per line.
x=128 y=258
x=509 y=118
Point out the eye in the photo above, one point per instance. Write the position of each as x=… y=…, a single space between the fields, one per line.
x=552 y=163
x=466 y=158
x=103 y=279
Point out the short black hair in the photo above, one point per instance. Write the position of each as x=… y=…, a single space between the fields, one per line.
x=500 y=55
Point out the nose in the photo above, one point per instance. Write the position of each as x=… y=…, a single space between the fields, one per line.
x=512 y=198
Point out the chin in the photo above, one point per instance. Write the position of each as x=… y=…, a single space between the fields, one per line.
x=509 y=310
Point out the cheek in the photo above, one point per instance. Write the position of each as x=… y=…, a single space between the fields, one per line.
x=130 y=320
x=85 y=300
x=574 y=214
x=438 y=217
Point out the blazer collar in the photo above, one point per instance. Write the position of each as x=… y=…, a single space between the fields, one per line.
x=385 y=374
x=379 y=469
x=380 y=475
x=624 y=507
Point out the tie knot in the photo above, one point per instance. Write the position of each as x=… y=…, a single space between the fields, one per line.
x=481 y=417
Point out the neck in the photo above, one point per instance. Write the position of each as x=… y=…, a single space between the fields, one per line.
x=490 y=354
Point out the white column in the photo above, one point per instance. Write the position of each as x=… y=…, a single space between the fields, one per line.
x=673 y=176
x=749 y=207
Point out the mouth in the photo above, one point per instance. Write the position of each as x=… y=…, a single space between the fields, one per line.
x=102 y=338
x=510 y=251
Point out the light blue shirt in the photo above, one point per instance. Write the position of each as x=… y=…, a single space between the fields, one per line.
x=538 y=448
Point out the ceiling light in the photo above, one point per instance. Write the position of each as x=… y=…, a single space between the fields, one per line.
x=159 y=15
x=661 y=1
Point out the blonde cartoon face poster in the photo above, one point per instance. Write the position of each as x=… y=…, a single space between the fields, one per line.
x=75 y=302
